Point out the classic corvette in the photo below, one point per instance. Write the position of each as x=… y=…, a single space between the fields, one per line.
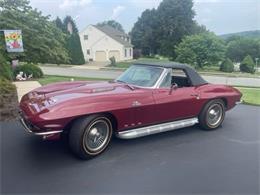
x=146 y=99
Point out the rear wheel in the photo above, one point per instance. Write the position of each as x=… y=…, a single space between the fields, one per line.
x=212 y=115
x=90 y=136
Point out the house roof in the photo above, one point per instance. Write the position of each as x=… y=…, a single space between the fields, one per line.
x=114 y=34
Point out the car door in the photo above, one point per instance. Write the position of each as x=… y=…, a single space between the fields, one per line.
x=144 y=112
x=174 y=104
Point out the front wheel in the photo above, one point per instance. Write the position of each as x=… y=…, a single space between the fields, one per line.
x=212 y=115
x=90 y=136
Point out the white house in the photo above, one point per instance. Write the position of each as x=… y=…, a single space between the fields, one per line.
x=99 y=43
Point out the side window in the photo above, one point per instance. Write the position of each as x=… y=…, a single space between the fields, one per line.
x=180 y=78
x=125 y=52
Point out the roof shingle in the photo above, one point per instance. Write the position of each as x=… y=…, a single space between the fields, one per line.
x=114 y=34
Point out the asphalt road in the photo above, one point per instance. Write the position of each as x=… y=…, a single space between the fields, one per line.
x=184 y=161
x=74 y=72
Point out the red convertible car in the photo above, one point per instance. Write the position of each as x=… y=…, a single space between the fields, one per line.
x=146 y=99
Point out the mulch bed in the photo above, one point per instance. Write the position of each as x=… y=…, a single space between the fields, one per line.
x=9 y=106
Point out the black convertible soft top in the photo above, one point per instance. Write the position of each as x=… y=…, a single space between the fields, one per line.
x=194 y=77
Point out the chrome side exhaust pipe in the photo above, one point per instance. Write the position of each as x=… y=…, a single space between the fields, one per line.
x=149 y=130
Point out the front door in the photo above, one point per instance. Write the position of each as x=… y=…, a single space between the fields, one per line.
x=181 y=103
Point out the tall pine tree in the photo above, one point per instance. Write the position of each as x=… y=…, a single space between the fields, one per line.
x=73 y=44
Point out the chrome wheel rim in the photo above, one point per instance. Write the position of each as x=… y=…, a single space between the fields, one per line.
x=97 y=135
x=214 y=115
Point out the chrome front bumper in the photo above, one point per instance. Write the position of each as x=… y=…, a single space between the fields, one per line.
x=29 y=130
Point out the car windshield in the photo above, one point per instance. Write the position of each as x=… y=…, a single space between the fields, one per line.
x=140 y=75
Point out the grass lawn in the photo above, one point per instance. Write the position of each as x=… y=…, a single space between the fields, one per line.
x=250 y=95
x=53 y=79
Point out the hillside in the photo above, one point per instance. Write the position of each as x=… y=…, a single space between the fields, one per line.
x=249 y=34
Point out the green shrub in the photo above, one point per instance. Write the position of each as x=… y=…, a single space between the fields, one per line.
x=8 y=100
x=227 y=66
x=5 y=69
x=29 y=69
x=112 y=61
x=6 y=86
x=247 y=65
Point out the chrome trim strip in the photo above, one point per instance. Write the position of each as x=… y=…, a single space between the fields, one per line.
x=37 y=133
x=159 y=81
x=239 y=102
x=144 y=131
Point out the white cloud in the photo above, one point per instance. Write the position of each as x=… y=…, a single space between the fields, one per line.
x=117 y=11
x=67 y=4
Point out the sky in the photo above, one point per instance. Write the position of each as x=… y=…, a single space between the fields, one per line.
x=219 y=16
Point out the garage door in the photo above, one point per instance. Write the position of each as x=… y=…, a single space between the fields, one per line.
x=114 y=53
x=100 y=56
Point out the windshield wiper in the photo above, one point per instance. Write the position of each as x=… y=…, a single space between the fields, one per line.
x=131 y=87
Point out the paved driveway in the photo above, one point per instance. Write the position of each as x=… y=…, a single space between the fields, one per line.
x=114 y=74
x=183 y=161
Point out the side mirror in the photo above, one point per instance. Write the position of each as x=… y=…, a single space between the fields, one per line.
x=173 y=87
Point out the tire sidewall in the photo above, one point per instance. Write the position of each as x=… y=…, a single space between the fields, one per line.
x=78 y=132
x=86 y=132
x=203 y=115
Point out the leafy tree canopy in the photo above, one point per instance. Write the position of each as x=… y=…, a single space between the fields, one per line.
x=201 y=50
x=145 y=33
x=43 y=41
x=113 y=24
x=159 y=30
x=239 y=47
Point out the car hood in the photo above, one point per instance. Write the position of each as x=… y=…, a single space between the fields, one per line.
x=53 y=94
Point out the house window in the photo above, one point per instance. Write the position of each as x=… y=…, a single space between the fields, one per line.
x=125 y=53
x=85 y=37
x=88 y=51
x=130 y=52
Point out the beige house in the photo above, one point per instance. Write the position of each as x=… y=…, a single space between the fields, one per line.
x=99 y=43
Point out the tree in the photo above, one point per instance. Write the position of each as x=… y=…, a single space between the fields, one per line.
x=227 y=66
x=175 y=21
x=247 y=65
x=239 y=47
x=201 y=50
x=145 y=32
x=43 y=41
x=59 y=24
x=73 y=44
x=113 y=24
x=68 y=23
x=159 y=30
